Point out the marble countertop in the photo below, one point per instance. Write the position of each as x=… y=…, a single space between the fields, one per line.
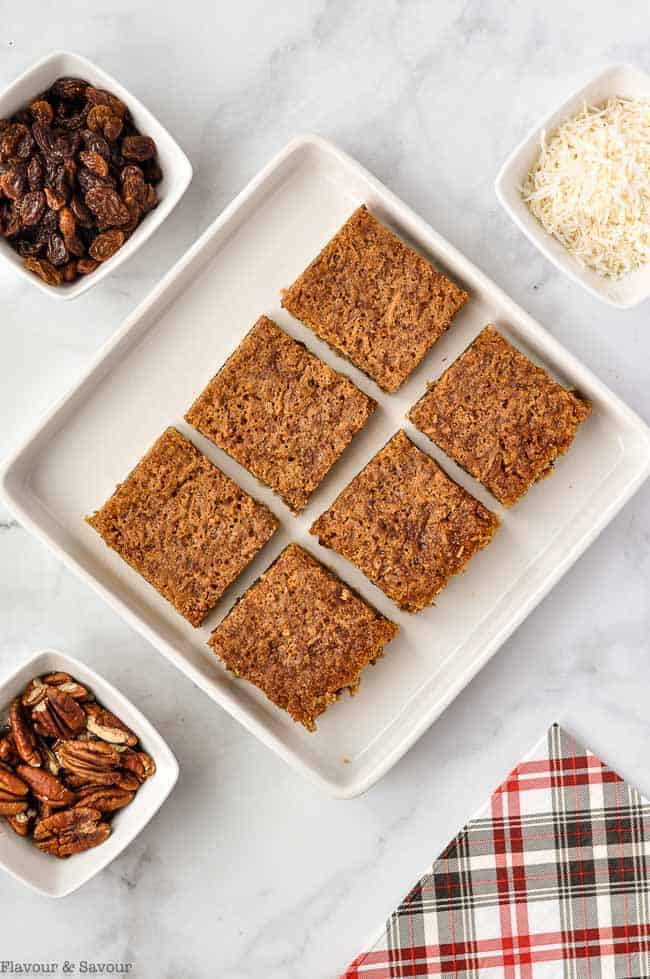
x=247 y=872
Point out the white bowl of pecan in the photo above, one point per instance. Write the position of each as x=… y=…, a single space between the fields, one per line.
x=87 y=174
x=82 y=771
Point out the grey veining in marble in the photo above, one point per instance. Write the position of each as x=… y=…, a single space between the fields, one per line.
x=246 y=872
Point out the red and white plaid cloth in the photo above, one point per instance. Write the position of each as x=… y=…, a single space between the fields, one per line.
x=549 y=881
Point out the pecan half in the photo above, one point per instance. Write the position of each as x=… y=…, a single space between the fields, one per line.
x=21 y=822
x=138 y=762
x=69 y=714
x=45 y=720
x=71 y=831
x=67 y=684
x=46 y=787
x=23 y=735
x=87 y=757
x=34 y=692
x=13 y=793
x=105 y=798
x=8 y=753
x=108 y=727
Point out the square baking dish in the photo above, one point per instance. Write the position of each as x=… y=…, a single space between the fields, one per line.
x=20 y=857
x=177 y=169
x=151 y=371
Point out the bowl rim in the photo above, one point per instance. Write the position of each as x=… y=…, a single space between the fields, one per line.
x=183 y=173
x=538 y=236
x=160 y=750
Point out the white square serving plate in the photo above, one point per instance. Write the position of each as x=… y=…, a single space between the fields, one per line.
x=153 y=368
x=176 y=168
x=628 y=82
x=20 y=857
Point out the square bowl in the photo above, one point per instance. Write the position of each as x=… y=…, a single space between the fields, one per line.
x=176 y=168
x=628 y=82
x=46 y=874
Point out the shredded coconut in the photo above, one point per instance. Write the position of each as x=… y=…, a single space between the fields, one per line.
x=590 y=186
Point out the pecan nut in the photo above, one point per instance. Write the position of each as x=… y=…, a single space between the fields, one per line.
x=21 y=822
x=87 y=757
x=67 y=711
x=105 y=798
x=46 y=787
x=108 y=727
x=8 y=753
x=23 y=735
x=139 y=762
x=13 y=793
x=71 y=831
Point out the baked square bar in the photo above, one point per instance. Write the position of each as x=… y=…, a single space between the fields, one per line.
x=281 y=412
x=375 y=300
x=502 y=418
x=301 y=635
x=185 y=526
x=406 y=524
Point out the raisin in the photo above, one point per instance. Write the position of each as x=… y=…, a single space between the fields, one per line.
x=107 y=205
x=70 y=272
x=44 y=270
x=138 y=148
x=69 y=88
x=101 y=120
x=35 y=173
x=95 y=163
x=42 y=112
x=86 y=265
x=95 y=143
x=97 y=96
x=12 y=139
x=82 y=213
x=105 y=245
x=32 y=207
x=88 y=180
x=12 y=183
x=67 y=222
x=57 y=253
x=29 y=249
x=55 y=201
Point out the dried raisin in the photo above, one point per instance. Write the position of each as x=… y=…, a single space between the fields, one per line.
x=44 y=270
x=105 y=245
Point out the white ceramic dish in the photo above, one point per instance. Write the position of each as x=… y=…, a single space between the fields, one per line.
x=153 y=368
x=623 y=80
x=57 y=878
x=177 y=169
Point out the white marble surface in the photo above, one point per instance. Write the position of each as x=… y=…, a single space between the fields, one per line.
x=246 y=872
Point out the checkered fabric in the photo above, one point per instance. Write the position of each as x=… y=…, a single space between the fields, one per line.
x=550 y=880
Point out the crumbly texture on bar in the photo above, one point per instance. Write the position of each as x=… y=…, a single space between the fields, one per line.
x=502 y=418
x=302 y=636
x=406 y=524
x=281 y=412
x=375 y=300
x=185 y=526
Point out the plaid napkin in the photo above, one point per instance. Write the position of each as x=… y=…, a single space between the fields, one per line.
x=549 y=880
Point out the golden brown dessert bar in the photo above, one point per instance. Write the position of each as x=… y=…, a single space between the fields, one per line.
x=281 y=412
x=301 y=635
x=185 y=526
x=502 y=418
x=375 y=300
x=406 y=524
